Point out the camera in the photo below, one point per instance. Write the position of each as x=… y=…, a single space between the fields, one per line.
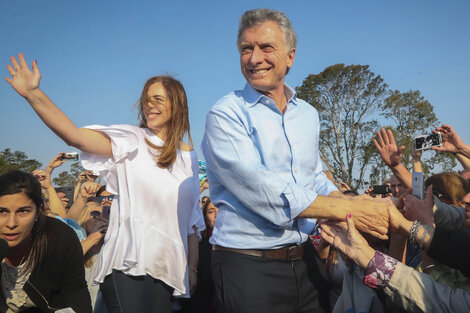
x=381 y=189
x=427 y=142
x=70 y=156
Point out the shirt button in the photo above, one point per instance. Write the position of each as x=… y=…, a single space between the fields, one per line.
x=296 y=171
x=267 y=101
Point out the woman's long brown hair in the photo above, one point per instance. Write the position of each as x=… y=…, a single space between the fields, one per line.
x=178 y=125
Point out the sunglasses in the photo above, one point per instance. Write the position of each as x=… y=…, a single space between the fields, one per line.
x=106 y=198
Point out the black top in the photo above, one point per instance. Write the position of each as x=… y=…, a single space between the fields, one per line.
x=59 y=281
x=450 y=247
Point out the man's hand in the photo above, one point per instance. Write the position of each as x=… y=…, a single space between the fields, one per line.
x=44 y=178
x=371 y=215
x=89 y=189
x=451 y=141
x=420 y=210
x=390 y=153
x=55 y=162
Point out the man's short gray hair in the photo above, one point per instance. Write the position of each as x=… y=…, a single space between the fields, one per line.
x=256 y=17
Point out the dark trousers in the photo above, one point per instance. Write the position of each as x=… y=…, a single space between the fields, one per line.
x=250 y=284
x=129 y=294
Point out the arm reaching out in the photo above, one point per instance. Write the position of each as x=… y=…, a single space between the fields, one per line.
x=391 y=155
x=451 y=141
x=26 y=84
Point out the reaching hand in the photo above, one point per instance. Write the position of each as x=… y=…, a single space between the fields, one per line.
x=390 y=153
x=81 y=177
x=89 y=189
x=56 y=162
x=371 y=216
x=345 y=237
x=44 y=178
x=451 y=141
x=420 y=210
x=23 y=80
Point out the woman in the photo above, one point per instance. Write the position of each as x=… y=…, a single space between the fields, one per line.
x=408 y=289
x=154 y=176
x=43 y=269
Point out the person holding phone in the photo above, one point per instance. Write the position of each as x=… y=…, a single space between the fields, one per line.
x=154 y=216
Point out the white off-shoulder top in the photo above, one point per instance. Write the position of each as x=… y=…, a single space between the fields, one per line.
x=154 y=209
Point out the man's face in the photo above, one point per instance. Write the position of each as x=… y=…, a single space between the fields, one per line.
x=264 y=58
x=396 y=187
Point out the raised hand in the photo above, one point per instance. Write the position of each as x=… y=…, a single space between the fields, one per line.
x=89 y=189
x=44 y=178
x=390 y=153
x=23 y=80
x=451 y=141
x=55 y=162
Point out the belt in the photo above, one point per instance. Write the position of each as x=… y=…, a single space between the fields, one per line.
x=290 y=253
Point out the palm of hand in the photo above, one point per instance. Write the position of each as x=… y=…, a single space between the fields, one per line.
x=24 y=81
x=391 y=155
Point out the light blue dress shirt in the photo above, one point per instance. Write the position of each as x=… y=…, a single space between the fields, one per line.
x=264 y=169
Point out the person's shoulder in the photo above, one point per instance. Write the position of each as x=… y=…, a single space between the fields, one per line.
x=57 y=230
x=306 y=107
x=228 y=101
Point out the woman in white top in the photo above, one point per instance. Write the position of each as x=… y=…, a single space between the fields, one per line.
x=150 y=249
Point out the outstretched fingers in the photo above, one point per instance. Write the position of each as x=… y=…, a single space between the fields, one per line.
x=385 y=136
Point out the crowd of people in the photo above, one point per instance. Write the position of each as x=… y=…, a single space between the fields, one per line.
x=277 y=233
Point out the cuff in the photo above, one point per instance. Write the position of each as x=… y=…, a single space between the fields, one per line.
x=299 y=198
x=379 y=271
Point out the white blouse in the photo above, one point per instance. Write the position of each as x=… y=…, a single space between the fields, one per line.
x=153 y=211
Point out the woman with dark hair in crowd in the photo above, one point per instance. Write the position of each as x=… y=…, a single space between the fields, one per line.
x=154 y=176
x=43 y=269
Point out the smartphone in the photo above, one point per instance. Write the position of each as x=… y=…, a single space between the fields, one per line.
x=73 y=156
x=381 y=189
x=417 y=185
x=427 y=142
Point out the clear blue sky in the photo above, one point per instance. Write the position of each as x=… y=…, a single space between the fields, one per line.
x=94 y=56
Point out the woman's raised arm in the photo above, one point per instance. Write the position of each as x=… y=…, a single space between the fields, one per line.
x=26 y=84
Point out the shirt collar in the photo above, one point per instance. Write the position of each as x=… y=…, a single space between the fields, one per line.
x=252 y=96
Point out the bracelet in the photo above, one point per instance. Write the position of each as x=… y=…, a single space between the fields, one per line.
x=427 y=228
x=192 y=269
x=428 y=267
x=414 y=230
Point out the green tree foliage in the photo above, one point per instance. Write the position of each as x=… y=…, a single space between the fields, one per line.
x=17 y=160
x=352 y=101
x=347 y=98
x=70 y=178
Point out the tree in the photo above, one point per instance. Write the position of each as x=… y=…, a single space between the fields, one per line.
x=347 y=99
x=17 y=160
x=66 y=179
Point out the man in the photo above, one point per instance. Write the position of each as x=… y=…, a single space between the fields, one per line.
x=261 y=149
x=396 y=187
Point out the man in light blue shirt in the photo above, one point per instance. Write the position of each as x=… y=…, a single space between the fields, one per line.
x=266 y=178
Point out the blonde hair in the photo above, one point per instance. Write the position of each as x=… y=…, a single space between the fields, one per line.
x=178 y=125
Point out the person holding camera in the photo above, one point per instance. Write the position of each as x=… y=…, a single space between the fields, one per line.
x=150 y=249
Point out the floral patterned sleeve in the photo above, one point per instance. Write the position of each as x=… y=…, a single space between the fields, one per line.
x=379 y=271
